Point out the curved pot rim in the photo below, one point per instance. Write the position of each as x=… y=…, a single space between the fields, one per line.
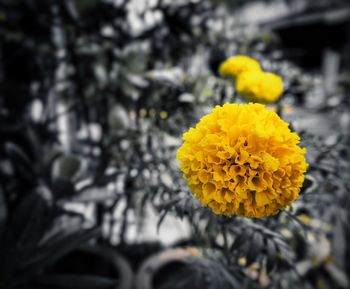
x=151 y=265
x=119 y=262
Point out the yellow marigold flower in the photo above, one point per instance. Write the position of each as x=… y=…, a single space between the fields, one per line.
x=236 y=65
x=243 y=159
x=259 y=86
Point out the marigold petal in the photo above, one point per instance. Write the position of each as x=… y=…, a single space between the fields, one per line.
x=255 y=168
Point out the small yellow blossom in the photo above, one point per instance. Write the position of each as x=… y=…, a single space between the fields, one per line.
x=243 y=159
x=236 y=65
x=305 y=219
x=163 y=114
x=259 y=86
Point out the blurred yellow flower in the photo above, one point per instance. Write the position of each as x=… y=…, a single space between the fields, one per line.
x=163 y=114
x=243 y=159
x=259 y=86
x=236 y=65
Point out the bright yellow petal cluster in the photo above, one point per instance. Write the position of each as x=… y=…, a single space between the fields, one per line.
x=243 y=159
x=236 y=65
x=259 y=86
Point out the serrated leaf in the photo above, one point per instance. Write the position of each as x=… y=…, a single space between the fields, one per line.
x=239 y=241
x=271 y=255
x=255 y=246
x=161 y=219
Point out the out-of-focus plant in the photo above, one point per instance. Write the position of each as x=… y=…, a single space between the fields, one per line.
x=260 y=86
x=250 y=81
x=239 y=64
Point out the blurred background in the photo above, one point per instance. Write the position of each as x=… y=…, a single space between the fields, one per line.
x=94 y=98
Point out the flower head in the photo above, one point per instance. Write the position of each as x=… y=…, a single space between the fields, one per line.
x=259 y=86
x=243 y=159
x=236 y=65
